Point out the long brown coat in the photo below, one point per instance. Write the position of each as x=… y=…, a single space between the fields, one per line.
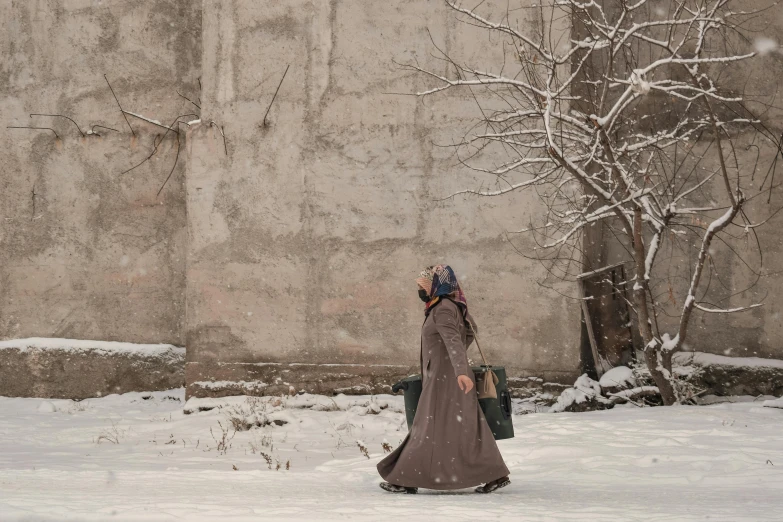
x=450 y=444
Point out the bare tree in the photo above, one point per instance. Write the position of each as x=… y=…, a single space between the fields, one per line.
x=624 y=123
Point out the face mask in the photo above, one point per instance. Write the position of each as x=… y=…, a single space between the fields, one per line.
x=423 y=295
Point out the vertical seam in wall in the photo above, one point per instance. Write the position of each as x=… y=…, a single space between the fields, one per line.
x=186 y=246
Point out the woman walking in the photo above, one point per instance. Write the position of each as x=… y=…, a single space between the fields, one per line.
x=450 y=444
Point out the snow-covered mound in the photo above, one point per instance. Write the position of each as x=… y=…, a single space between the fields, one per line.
x=618 y=378
x=711 y=359
x=78 y=369
x=773 y=403
x=733 y=376
x=586 y=394
x=102 y=347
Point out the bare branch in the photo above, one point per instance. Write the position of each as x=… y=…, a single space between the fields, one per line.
x=60 y=116
x=727 y=310
x=35 y=128
x=273 y=97
x=118 y=105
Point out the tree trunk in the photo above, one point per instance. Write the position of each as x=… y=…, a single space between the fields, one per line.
x=659 y=365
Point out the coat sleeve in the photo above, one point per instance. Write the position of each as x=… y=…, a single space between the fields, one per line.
x=448 y=327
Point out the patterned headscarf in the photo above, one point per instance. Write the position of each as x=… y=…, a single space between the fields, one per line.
x=441 y=282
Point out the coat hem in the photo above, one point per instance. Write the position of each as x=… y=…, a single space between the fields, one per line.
x=442 y=487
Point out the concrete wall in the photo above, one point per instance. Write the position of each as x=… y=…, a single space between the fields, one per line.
x=305 y=239
x=294 y=244
x=85 y=251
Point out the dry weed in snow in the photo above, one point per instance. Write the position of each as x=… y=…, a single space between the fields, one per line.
x=113 y=434
x=363 y=448
x=223 y=440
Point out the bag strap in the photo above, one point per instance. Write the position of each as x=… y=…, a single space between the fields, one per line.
x=478 y=345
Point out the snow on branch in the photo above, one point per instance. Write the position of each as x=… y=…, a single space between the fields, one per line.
x=727 y=310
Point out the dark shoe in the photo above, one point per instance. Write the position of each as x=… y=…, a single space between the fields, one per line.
x=489 y=487
x=393 y=488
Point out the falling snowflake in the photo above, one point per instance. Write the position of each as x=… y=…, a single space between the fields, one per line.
x=765 y=45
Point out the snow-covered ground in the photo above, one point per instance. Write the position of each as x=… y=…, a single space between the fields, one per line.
x=129 y=458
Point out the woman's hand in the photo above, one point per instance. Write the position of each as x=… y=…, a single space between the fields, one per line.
x=465 y=383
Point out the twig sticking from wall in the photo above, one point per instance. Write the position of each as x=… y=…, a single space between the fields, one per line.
x=33 y=197
x=155 y=122
x=176 y=160
x=191 y=101
x=36 y=128
x=157 y=144
x=60 y=116
x=92 y=129
x=118 y=105
x=275 y=96
x=222 y=133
